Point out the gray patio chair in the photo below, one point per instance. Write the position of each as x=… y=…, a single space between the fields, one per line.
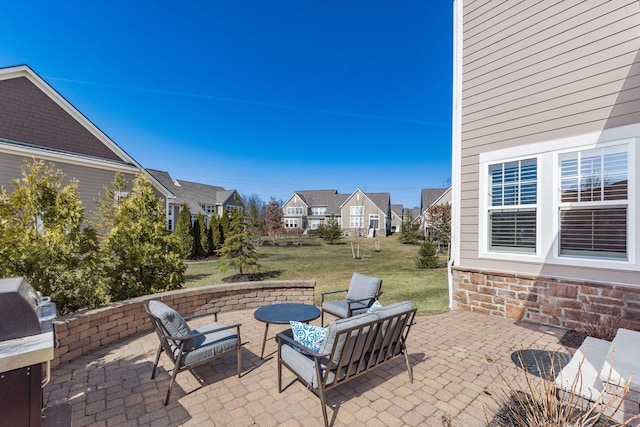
x=362 y=293
x=189 y=348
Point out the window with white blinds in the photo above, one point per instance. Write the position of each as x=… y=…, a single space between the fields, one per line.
x=513 y=188
x=594 y=203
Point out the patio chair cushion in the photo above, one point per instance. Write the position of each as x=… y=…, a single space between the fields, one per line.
x=390 y=311
x=340 y=308
x=303 y=365
x=211 y=344
x=340 y=325
x=174 y=324
x=308 y=335
x=374 y=307
x=393 y=309
x=363 y=288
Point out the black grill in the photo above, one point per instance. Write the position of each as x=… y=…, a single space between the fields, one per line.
x=26 y=343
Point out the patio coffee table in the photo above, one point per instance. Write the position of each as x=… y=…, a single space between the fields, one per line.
x=283 y=313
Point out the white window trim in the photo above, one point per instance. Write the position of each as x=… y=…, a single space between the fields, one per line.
x=547 y=155
x=357 y=210
x=632 y=217
x=485 y=204
x=293 y=211
x=374 y=216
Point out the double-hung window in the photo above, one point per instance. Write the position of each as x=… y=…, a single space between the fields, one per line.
x=513 y=188
x=594 y=203
x=294 y=210
x=317 y=211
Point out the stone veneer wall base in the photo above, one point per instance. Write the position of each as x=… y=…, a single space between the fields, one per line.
x=545 y=300
x=84 y=332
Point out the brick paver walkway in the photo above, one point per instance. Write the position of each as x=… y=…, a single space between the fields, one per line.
x=454 y=356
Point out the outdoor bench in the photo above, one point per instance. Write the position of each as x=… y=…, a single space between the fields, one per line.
x=351 y=347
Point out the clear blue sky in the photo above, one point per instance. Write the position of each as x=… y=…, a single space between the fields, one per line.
x=265 y=97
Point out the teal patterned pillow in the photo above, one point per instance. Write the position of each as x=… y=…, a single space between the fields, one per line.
x=308 y=335
x=376 y=305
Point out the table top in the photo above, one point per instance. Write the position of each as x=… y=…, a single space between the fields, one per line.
x=285 y=312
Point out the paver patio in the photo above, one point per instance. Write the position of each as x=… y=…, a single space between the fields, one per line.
x=454 y=357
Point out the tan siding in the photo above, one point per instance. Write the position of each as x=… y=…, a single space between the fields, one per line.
x=91 y=181
x=540 y=71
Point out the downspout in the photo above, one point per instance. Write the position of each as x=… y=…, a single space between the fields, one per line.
x=456 y=138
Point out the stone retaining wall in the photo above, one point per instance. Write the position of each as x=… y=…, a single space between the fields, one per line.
x=84 y=332
x=544 y=300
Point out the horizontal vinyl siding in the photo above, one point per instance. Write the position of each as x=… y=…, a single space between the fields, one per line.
x=548 y=77
x=541 y=71
x=91 y=181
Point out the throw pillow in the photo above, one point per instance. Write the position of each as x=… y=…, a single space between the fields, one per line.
x=375 y=306
x=308 y=335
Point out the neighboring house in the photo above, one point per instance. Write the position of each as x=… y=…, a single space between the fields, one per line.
x=396 y=218
x=366 y=213
x=199 y=198
x=431 y=197
x=306 y=210
x=37 y=122
x=546 y=225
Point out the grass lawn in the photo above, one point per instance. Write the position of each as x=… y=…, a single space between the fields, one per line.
x=331 y=267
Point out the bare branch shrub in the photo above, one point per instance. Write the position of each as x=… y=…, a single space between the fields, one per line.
x=598 y=325
x=530 y=401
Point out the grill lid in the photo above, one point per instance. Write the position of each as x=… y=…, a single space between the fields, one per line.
x=21 y=309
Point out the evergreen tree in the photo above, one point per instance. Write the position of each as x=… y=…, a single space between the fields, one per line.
x=331 y=231
x=139 y=256
x=427 y=257
x=225 y=226
x=183 y=234
x=200 y=236
x=216 y=234
x=107 y=204
x=238 y=251
x=210 y=243
x=42 y=238
x=409 y=232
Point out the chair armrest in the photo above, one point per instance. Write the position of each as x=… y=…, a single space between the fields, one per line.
x=333 y=292
x=286 y=338
x=215 y=312
x=202 y=334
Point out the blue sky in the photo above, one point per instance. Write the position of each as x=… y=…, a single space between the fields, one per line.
x=265 y=97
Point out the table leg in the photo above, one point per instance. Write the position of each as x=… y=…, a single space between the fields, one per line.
x=264 y=340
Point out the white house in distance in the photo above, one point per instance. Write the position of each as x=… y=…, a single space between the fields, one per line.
x=545 y=160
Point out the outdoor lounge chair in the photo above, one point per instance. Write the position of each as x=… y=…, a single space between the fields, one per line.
x=362 y=293
x=189 y=348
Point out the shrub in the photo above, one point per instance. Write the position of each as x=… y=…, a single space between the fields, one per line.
x=139 y=256
x=529 y=401
x=427 y=257
x=42 y=238
x=183 y=234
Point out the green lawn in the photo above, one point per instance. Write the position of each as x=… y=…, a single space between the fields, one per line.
x=331 y=267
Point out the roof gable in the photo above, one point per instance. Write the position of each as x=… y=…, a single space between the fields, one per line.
x=381 y=200
x=430 y=196
x=32 y=112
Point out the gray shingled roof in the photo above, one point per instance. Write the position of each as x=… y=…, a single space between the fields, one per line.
x=329 y=198
x=431 y=195
x=381 y=200
x=192 y=193
x=397 y=209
